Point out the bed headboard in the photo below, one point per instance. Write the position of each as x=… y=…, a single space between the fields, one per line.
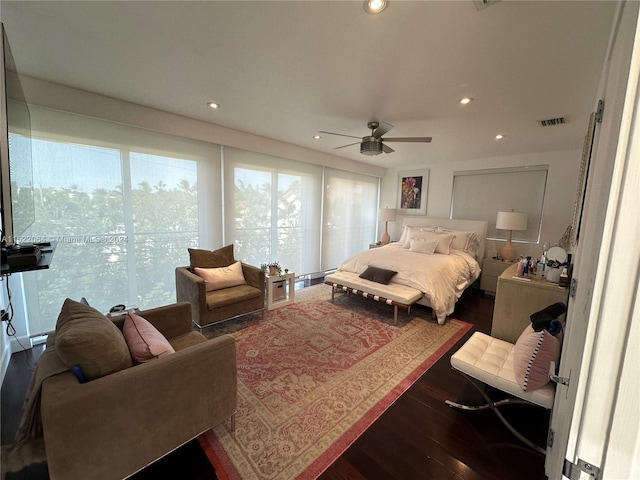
x=478 y=226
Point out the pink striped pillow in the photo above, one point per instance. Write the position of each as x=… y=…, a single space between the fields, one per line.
x=532 y=357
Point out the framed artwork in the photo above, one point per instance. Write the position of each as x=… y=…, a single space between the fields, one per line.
x=412 y=192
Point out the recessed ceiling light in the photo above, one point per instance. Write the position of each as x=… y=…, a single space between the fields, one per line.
x=466 y=100
x=375 y=6
x=317 y=137
x=499 y=136
x=214 y=105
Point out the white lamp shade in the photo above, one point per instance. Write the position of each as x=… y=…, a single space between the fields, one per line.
x=511 y=221
x=387 y=215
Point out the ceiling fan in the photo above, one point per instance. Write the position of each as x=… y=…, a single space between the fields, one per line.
x=372 y=144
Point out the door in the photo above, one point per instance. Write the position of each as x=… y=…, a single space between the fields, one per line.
x=594 y=425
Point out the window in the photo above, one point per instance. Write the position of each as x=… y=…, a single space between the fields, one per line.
x=123 y=215
x=275 y=205
x=481 y=194
x=350 y=215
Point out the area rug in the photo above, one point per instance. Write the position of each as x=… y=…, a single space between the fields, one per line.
x=313 y=376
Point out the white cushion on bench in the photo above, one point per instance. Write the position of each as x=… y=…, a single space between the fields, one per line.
x=490 y=360
x=392 y=291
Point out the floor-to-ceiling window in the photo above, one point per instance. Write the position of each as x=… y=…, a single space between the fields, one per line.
x=123 y=206
x=273 y=210
x=350 y=221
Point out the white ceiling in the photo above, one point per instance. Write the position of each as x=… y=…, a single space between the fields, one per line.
x=288 y=69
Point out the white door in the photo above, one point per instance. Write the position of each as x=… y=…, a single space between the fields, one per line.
x=595 y=421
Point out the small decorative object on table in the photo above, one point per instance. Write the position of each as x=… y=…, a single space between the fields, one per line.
x=272 y=268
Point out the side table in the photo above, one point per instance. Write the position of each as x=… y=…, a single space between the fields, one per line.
x=280 y=290
x=491 y=270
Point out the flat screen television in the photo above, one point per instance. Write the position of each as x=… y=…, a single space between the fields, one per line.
x=16 y=164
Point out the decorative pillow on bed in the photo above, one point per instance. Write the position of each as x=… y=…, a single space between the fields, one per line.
x=444 y=239
x=408 y=231
x=465 y=241
x=532 y=357
x=378 y=275
x=222 y=277
x=420 y=245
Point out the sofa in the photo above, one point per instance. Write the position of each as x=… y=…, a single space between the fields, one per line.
x=109 y=416
x=218 y=287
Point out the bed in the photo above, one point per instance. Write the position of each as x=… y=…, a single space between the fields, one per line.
x=424 y=276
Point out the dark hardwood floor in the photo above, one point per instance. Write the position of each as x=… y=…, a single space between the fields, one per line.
x=418 y=437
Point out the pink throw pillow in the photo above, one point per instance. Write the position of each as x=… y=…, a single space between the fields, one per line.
x=144 y=340
x=533 y=354
x=222 y=277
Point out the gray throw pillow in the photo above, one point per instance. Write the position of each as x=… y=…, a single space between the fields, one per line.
x=378 y=275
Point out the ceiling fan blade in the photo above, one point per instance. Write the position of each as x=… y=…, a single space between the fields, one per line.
x=356 y=143
x=408 y=139
x=339 y=134
x=382 y=129
x=387 y=149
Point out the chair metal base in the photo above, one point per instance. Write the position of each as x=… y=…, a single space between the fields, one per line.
x=200 y=328
x=494 y=406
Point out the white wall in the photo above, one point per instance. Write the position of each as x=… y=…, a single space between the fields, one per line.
x=562 y=183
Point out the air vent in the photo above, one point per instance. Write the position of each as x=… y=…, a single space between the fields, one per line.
x=551 y=122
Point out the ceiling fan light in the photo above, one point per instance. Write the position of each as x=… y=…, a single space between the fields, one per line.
x=375 y=6
x=371 y=147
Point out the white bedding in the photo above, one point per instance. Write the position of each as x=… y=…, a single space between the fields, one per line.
x=442 y=278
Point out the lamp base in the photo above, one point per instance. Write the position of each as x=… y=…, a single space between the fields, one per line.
x=508 y=253
x=385 y=238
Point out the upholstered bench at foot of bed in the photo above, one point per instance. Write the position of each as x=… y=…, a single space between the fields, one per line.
x=399 y=296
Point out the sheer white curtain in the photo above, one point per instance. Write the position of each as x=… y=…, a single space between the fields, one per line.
x=273 y=210
x=122 y=203
x=350 y=215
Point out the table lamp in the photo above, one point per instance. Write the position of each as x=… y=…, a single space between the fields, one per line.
x=510 y=221
x=386 y=215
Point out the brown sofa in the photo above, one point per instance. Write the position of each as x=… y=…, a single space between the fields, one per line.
x=209 y=307
x=117 y=424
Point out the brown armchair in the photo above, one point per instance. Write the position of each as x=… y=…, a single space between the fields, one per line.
x=209 y=307
x=115 y=425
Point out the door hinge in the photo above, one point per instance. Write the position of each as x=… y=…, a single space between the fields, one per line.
x=550 y=438
x=599 y=111
x=573 y=287
x=580 y=471
x=555 y=378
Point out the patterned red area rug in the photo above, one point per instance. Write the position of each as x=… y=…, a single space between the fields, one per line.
x=313 y=376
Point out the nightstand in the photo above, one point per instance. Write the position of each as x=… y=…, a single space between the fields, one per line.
x=280 y=290
x=517 y=299
x=491 y=270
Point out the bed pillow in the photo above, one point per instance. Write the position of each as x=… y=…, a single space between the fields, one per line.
x=532 y=357
x=222 y=277
x=463 y=240
x=403 y=236
x=444 y=239
x=144 y=340
x=378 y=275
x=221 y=257
x=420 y=245
x=410 y=232
x=87 y=340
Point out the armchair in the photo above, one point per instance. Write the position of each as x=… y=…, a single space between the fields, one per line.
x=219 y=305
x=117 y=424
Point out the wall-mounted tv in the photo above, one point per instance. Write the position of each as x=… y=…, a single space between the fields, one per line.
x=16 y=166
